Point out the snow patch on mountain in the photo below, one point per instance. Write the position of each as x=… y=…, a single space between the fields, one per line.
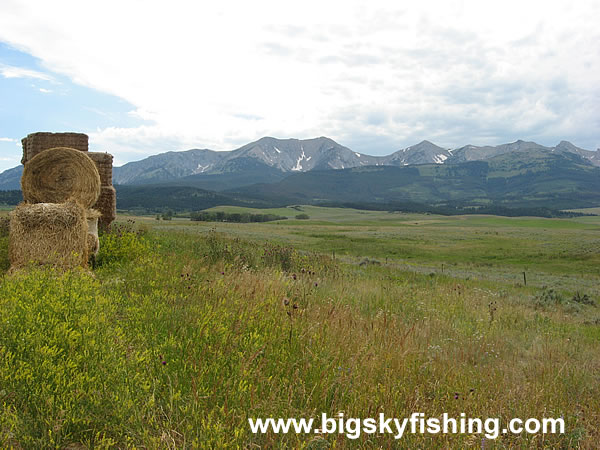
x=298 y=165
x=202 y=169
x=439 y=159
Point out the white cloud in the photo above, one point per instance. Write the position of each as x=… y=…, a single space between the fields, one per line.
x=219 y=74
x=20 y=72
x=5 y=139
x=45 y=91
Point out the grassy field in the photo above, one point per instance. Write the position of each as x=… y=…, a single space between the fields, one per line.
x=187 y=329
x=555 y=253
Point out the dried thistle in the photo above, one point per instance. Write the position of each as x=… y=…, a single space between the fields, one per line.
x=492 y=308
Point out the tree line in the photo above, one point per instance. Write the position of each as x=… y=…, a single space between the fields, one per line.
x=221 y=216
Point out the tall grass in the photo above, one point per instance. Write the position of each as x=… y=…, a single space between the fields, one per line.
x=177 y=339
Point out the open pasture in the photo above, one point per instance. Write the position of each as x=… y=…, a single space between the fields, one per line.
x=554 y=253
x=185 y=330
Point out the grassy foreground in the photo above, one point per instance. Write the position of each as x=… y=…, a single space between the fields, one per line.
x=181 y=335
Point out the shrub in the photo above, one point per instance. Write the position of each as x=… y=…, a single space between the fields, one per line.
x=584 y=299
x=369 y=262
x=302 y=216
x=548 y=297
x=123 y=243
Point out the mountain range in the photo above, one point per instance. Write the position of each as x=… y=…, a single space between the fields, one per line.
x=535 y=178
x=270 y=159
x=273 y=171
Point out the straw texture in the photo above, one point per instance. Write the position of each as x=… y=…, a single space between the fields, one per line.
x=48 y=233
x=58 y=174
x=93 y=241
x=107 y=205
x=104 y=164
x=36 y=143
x=93 y=244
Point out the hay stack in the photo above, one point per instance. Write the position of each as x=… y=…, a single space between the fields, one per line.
x=36 y=143
x=93 y=242
x=107 y=205
x=107 y=202
x=59 y=174
x=48 y=233
x=104 y=163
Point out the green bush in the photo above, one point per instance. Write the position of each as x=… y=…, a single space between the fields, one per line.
x=122 y=243
x=584 y=299
x=549 y=297
x=302 y=216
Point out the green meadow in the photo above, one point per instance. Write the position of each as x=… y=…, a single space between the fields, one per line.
x=184 y=330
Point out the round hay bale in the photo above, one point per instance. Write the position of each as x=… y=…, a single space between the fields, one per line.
x=59 y=174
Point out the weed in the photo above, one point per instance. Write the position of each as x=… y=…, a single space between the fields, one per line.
x=549 y=297
x=283 y=257
x=583 y=299
x=368 y=261
x=122 y=243
x=492 y=308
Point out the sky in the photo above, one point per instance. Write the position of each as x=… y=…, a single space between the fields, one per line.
x=142 y=77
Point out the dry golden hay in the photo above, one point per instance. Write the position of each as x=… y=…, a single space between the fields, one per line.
x=104 y=164
x=93 y=244
x=93 y=241
x=36 y=143
x=59 y=174
x=92 y=214
x=48 y=234
x=107 y=205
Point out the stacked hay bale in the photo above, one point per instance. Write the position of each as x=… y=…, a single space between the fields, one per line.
x=36 y=143
x=107 y=202
x=48 y=233
x=51 y=227
x=59 y=174
x=93 y=242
